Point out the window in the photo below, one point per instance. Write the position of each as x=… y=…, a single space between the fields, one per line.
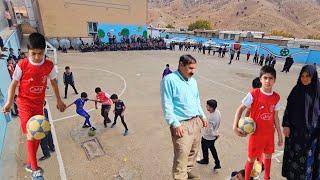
x=304 y=46
x=226 y=36
x=92 y=27
x=232 y=36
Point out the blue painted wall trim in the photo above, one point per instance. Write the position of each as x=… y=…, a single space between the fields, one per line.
x=11 y=42
x=304 y=56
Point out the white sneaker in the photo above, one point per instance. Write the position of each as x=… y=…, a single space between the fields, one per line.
x=37 y=175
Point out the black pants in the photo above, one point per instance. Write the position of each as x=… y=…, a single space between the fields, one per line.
x=66 y=88
x=286 y=68
x=122 y=120
x=47 y=144
x=105 y=114
x=231 y=58
x=9 y=22
x=209 y=144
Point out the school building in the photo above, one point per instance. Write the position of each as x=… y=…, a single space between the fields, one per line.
x=81 y=18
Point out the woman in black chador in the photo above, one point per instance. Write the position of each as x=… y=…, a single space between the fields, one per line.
x=301 y=127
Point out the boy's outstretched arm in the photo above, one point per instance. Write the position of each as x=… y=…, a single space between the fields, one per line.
x=11 y=92
x=278 y=128
x=69 y=105
x=60 y=104
x=237 y=117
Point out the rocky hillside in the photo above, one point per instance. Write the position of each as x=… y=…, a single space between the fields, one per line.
x=298 y=17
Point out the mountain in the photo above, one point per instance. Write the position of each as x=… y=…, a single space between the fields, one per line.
x=298 y=17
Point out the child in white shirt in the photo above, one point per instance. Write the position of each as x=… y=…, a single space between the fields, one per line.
x=210 y=135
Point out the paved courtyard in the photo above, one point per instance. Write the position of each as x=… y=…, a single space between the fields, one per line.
x=146 y=153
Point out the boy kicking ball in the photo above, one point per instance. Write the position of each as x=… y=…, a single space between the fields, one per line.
x=80 y=111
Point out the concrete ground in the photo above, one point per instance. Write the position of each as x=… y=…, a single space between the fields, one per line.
x=147 y=152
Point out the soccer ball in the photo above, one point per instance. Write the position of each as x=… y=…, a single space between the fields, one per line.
x=257 y=169
x=91 y=132
x=247 y=125
x=37 y=127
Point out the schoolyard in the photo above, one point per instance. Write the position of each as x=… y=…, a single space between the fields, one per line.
x=147 y=152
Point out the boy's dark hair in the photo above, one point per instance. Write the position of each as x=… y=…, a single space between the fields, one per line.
x=97 y=90
x=268 y=69
x=9 y=58
x=36 y=41
x=114 y=96
x=187 y=59
x=84 y=95
x=212 y=103
x=242 y=172
x=256 y=83
x=167 y=65
x=67 y=67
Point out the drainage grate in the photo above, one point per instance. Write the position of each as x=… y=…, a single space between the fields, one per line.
x=92 y=148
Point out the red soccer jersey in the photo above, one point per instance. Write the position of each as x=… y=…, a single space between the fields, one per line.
x=33 y=82
x=103 y=98
x=262 y=112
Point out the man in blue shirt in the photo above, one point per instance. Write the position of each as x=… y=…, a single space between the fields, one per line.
x=182 y=111
x=166 y=71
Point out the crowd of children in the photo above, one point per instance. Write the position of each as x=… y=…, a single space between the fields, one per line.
x=149 y=44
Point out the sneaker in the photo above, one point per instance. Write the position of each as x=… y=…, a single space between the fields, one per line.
x=113 y=125
x=193 y=176
x=44 y=158
x=202 y=161
x=93 y=128
x=27 y=167
x=37 y=175
x=65 y=97
x=217 y=166
x=85 y=126
x=125 y=133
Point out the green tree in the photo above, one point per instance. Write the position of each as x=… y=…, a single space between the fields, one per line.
x=314 y=37
x=200 y=24
x=169 y=26
x=101 y=33
x=125 y=32
x=145 y=34
x=281 y=33
x=140 y=28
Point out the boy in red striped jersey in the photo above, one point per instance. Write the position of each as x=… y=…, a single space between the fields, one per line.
x=32 y=74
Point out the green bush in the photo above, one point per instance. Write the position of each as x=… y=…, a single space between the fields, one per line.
x=314 y=37
x=200 y=24
x=281 y=33
x=169 y=26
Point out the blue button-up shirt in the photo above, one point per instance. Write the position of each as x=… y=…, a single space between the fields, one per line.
x=180 y=99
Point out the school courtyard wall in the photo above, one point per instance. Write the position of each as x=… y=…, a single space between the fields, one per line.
x=7 y=141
